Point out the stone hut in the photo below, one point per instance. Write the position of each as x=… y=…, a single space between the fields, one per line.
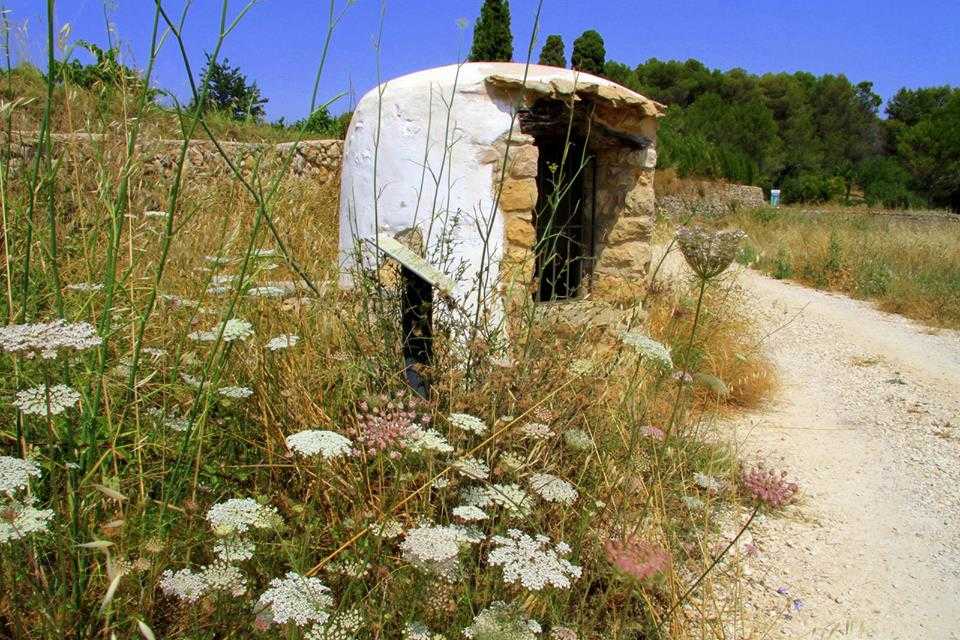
x=568 y=216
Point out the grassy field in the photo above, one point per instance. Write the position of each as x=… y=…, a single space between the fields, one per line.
x=908 y=263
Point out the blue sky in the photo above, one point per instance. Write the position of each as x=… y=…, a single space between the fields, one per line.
x=279 y=42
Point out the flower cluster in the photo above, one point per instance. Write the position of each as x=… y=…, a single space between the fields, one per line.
x=48 y=338
x=44 y=401
x=769 y=487
x=578 y=439
x=233 y=329
x=502 y=621
x=239 y=515
x=472 y=468
x=434 y=548
x=467 y=422
x=709 y=253
x=531 y=561
x=297 y=599
x=536 y=430
x=234 y=392
x=652 y=432
x=387 y=423
x=708 y=483
x=18 y=518
x=329 y=444
x=637 y=558
x=652 y=351
x=553 y=489
x=282 y=342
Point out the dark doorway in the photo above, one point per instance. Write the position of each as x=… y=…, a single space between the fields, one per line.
x=416 y=308
x=562 y=235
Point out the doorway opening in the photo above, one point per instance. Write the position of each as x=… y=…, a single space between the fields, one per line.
x=416 y=319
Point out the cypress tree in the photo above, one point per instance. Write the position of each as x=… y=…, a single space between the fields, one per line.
x=553 y=54
x=588 y=53
x=492 y=40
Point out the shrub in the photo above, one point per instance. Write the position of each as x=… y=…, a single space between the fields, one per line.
x=589 y=54
x=492 y=39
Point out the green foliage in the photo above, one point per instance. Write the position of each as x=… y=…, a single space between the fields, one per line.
x=930 y=149
x=885 y=182
x=782 y=265
x=492 y=38
x=229 y=92
x=106 y=72
x=553 y=53
x=320 y=124
x=589 y=54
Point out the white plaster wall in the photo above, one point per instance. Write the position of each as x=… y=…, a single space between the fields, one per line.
x=447 y=114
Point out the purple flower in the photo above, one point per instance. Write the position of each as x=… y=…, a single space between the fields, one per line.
x=782 y=591
x=797 y=604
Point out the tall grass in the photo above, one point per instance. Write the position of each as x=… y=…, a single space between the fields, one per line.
x=185 y=405
x=907 y=264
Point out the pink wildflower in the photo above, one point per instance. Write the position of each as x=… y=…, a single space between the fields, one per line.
x=653 y=432
x=637 y=558
x=385 y=424
x=769 y=487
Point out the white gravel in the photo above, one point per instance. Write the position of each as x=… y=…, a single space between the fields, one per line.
x=868 y=422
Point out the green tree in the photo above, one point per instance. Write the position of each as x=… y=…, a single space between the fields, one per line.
x=492 y=39
x=229 y=92
x=931 y=151
x=588 y=53
x=553 y=54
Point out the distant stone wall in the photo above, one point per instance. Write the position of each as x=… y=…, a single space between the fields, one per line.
x=314 y=159
x=706 y=198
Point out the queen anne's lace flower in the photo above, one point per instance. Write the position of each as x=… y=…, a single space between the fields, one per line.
x=435 y=548
x=184 y=584
x=20 y=519
x=531 y=561
x=236 y=393
x=343 y=625
x=266 y=291
x=239 y=515
x=234 y=549
x=472 y=468
x=708 y=253
x=511 y=497
x=503 y=622
x=708 y=483
x=420 y=631
x=222 y=576
x=282 y=342
x=48 y=338
x=476 y=497
x=388 y=529
x=85 y=287
x=297 y=599
x=329 y=444
x=469 y=513
x=15 y=474
x=578 y=439
x=651 y=350
x=553 y=489
x=536 y=430
x=35 y=400
x=467 y=422
x=233 y=329
x=420 y=440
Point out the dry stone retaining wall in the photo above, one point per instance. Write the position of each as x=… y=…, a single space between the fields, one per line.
x=708 y=198
x=314 y=159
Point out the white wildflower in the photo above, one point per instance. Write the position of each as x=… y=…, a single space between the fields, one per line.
x=693 y=503
x=266 y=291
x=343 y=625
x=85 y=287
x=501 y=620
x=264 y=253
x=420 y=440
x=708 y=483
x=154 y=352
x=218 y=261
x=388 y=529
x=511 y=497
x=35 y=400
x=177 y=423
x=472 y=468
x=553 y=489
x=470 y=513
x=441 y=483
x=20 y=519
x=239 y=515
x=234 y=549
x=578 y=439
x=511 y=461
x=155 y=214
x=476 y=497
x=531 y=561
x=648 y=348
x=350 y=567
x=418 y=631
x=184 y=584
x=282 y=342
x=237 y=393
x=221 y=576
x=536 y=430
x=233 y=329
x=329 y=444
x=47 y=338
x=15 y=474
x=297 y=599
x=435 y=548
x=467 y=422
x=563 y=633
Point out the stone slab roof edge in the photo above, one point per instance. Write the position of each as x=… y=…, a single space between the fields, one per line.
x=613 y=94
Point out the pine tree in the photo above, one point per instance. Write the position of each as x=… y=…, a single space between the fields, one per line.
x=492 y=40
x=553 y=54
x=588 y=53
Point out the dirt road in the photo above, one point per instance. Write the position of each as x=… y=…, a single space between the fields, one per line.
x=868 y=422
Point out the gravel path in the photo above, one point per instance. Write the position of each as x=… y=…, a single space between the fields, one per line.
x=868 y=422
